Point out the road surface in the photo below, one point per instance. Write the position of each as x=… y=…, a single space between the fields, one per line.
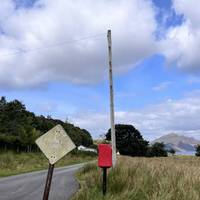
x=30 y=186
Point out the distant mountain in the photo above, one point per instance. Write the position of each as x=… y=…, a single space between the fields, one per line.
x=179 y=143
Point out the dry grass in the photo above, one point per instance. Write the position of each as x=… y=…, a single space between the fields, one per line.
x=15 y=163
x=172 y=178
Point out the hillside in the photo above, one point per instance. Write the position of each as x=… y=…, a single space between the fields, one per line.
x=179 y=143
x=19 y=127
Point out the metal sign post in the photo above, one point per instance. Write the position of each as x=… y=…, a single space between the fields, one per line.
x=48 y=182
x=54 y=144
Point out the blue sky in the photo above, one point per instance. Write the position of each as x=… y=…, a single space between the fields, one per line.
x=155 y=83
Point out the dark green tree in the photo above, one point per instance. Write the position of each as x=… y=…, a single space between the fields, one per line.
x=2 y=102
x=86 y=138
x=129 y=140
x=19 y=128
x=197 y=150
x=172 y=151
x=157 y=150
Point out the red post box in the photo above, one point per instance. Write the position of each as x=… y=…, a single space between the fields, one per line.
x=105 y=155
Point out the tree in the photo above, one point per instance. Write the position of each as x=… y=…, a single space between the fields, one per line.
x=157 y=150
x=86 y=138
x=129 y=140
x=172 y=151
x=2 y=102
x=19 y=128
x=197 y=150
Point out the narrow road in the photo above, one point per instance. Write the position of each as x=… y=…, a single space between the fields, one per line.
x=30 y=186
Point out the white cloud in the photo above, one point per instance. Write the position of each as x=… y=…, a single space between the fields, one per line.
x=190 y=10
x=48 y=22
x=193 y=80
x=182 y=43
x=162 y=86
x=178 y=116
x=48 y=107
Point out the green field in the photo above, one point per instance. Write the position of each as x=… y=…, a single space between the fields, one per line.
x=170 y=178
x=15 y=163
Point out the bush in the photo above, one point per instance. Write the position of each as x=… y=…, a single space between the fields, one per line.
x=83 y=153
x=172 y=151
x=197 y=150
x=93 y=146
x=157 y=150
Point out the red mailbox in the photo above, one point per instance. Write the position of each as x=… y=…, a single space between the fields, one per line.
x=105 y=156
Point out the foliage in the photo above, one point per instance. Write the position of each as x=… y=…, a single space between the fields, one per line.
x=172 y=151
x=129 y=140
x=19 y=128
x=157 y=150
x=93 y=146
x=197 y=150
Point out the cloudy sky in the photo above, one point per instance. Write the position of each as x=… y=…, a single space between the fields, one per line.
x=53 y=57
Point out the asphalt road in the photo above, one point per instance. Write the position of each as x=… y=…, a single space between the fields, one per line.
x=30 y=186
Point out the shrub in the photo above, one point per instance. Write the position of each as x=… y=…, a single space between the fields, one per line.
x=197 y=150
x=157 y=150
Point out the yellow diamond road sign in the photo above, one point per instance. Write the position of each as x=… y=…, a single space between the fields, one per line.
x=55 y=144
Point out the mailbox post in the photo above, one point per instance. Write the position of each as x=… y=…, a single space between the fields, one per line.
x=104 y=161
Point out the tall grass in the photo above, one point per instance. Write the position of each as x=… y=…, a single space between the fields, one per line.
x=172 y=178
x=12 y=163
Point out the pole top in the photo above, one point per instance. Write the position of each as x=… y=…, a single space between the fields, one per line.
x=109 y=33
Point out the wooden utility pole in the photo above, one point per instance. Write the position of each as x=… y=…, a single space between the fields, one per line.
x=112 y=120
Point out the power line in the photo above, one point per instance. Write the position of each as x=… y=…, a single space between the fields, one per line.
x=54 y=45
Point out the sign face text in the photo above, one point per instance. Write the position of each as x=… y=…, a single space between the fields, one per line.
x=55 y=144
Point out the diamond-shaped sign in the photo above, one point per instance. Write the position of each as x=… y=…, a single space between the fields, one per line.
x=55 y=144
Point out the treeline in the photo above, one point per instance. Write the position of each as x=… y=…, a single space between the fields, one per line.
x=19 y=128
x=129 y=141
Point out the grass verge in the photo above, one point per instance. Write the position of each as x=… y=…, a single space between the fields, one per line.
x=15 y=163
x=171 y=178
